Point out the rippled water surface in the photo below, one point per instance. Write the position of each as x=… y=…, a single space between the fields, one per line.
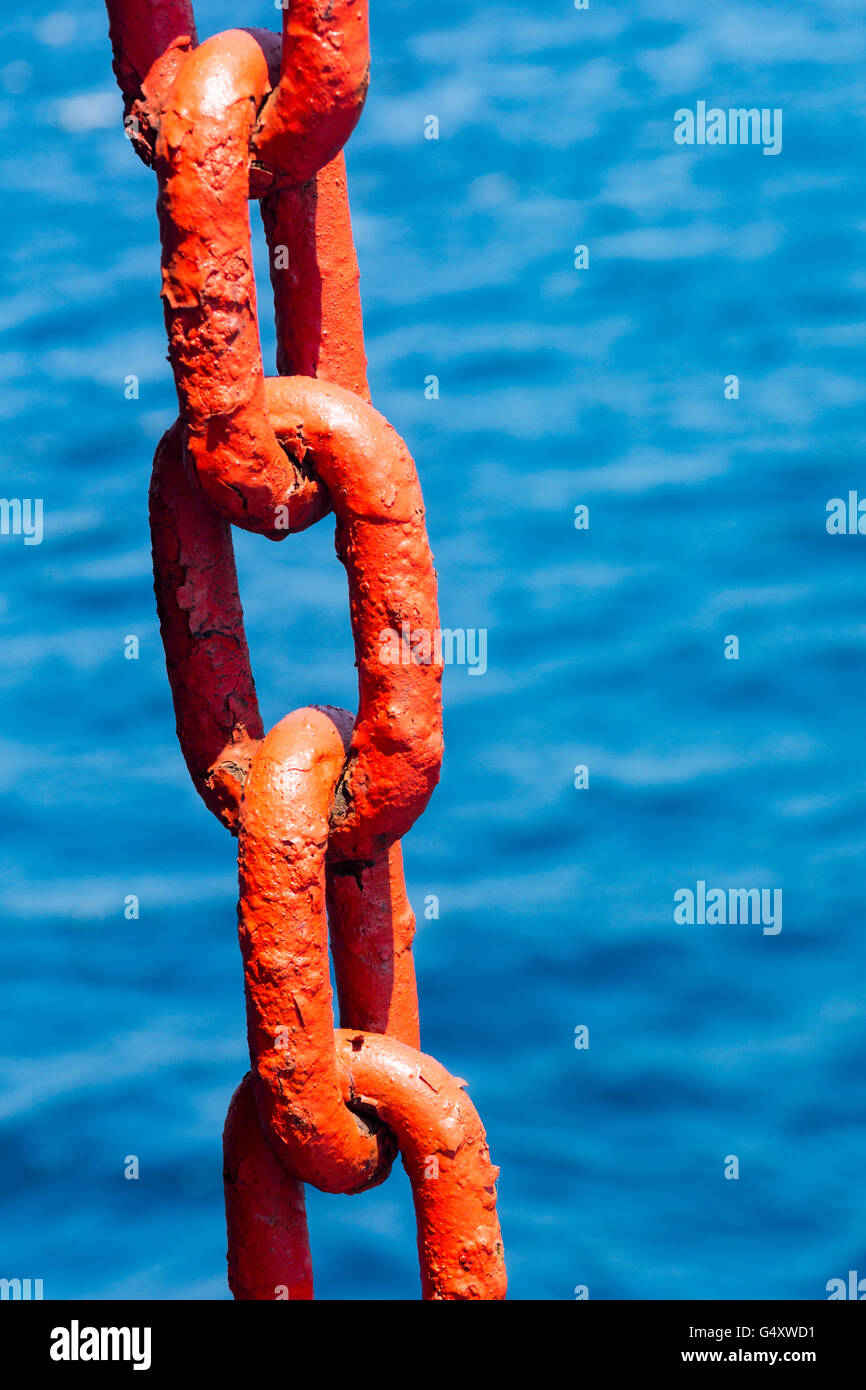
x=605 y=647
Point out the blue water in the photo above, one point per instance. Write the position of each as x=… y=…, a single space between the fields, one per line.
x=605 y=647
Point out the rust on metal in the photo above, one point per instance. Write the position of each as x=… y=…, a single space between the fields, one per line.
x=320 y=803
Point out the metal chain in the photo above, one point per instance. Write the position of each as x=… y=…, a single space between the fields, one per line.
x=320 y=803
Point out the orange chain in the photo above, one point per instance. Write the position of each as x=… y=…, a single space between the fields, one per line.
x=319 y=804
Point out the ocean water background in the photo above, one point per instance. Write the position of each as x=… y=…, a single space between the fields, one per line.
x=605 y=647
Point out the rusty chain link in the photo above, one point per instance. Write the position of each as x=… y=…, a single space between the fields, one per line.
x=320 y=803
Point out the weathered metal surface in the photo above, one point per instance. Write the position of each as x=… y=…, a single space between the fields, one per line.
x=320 y=803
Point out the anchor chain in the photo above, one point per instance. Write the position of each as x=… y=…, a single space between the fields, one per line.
x=320 y=803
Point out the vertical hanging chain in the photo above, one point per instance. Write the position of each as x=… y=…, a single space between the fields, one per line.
x=319 y=804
